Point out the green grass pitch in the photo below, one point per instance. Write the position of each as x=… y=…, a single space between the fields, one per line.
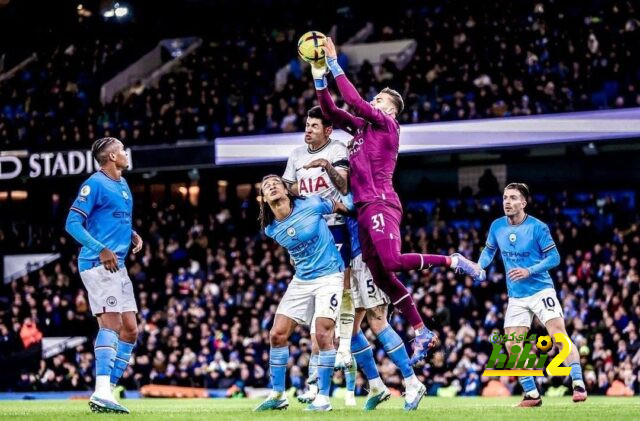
x=467 y=409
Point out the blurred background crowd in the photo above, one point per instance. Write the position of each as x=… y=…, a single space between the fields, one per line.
x=208 y=282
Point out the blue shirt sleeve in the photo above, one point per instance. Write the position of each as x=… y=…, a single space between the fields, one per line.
x=88 y=197
x=492 y=243
x=543 y=238
x=75 y=227
x=347 y=201
x=321 y=206
x=268 y=230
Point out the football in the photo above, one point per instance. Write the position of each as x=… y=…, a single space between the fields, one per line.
x=310 y=47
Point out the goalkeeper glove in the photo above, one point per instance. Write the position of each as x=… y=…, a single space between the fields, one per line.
x=318 y=72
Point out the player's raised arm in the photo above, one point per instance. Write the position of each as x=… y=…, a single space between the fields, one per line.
x=339 y=117
x=349 y=93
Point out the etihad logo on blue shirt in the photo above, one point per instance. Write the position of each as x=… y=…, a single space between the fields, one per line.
x=121 y=214
x=304 y=249
x=513 y=254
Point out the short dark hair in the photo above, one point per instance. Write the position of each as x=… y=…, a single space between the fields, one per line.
x=100 y=149
x=316 y=112
x=396 y=98
x=521 y=187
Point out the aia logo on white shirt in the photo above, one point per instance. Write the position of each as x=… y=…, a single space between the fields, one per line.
x=312 y=185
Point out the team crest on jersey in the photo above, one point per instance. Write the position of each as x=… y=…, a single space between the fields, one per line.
x=85 y=190
x=512 y=237
x=125 y=195
x=291 y=232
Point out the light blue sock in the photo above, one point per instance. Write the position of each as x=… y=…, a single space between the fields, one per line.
x=313 y=366
x=122 y=360
x=325 y=371
x=105 y=351
x=278 y=358
x=528 y=384
x=361 y=350
x=576 y=372
x=396 y=350
x=350 y=375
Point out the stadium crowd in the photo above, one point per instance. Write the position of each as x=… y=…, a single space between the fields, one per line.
x=208 y=283
x=473 y=60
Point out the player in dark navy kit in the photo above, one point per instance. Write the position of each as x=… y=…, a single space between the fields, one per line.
x=100 y=220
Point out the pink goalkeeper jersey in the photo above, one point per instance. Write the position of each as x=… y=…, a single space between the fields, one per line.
x=373 y=151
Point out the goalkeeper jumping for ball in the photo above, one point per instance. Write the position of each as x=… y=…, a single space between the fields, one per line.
x=373 y=152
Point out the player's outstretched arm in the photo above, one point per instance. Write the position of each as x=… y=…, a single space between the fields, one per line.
x=486 y=257
x=339 y=117
x=349 y=92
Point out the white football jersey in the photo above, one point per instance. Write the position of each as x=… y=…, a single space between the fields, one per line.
x=316 y=180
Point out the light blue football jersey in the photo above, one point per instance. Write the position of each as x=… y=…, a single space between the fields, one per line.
x=306 y=236
x=107 y=205
x=522 y=246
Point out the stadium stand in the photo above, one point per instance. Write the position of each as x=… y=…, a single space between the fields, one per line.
x=540 y=58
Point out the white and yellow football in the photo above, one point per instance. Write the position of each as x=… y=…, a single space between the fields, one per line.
x=310 y=47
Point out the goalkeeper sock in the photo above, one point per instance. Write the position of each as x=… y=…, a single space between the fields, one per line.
x=278 y=358
x=396 y=350
x=347 y=314
x=326 y=363
x=121 y=363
